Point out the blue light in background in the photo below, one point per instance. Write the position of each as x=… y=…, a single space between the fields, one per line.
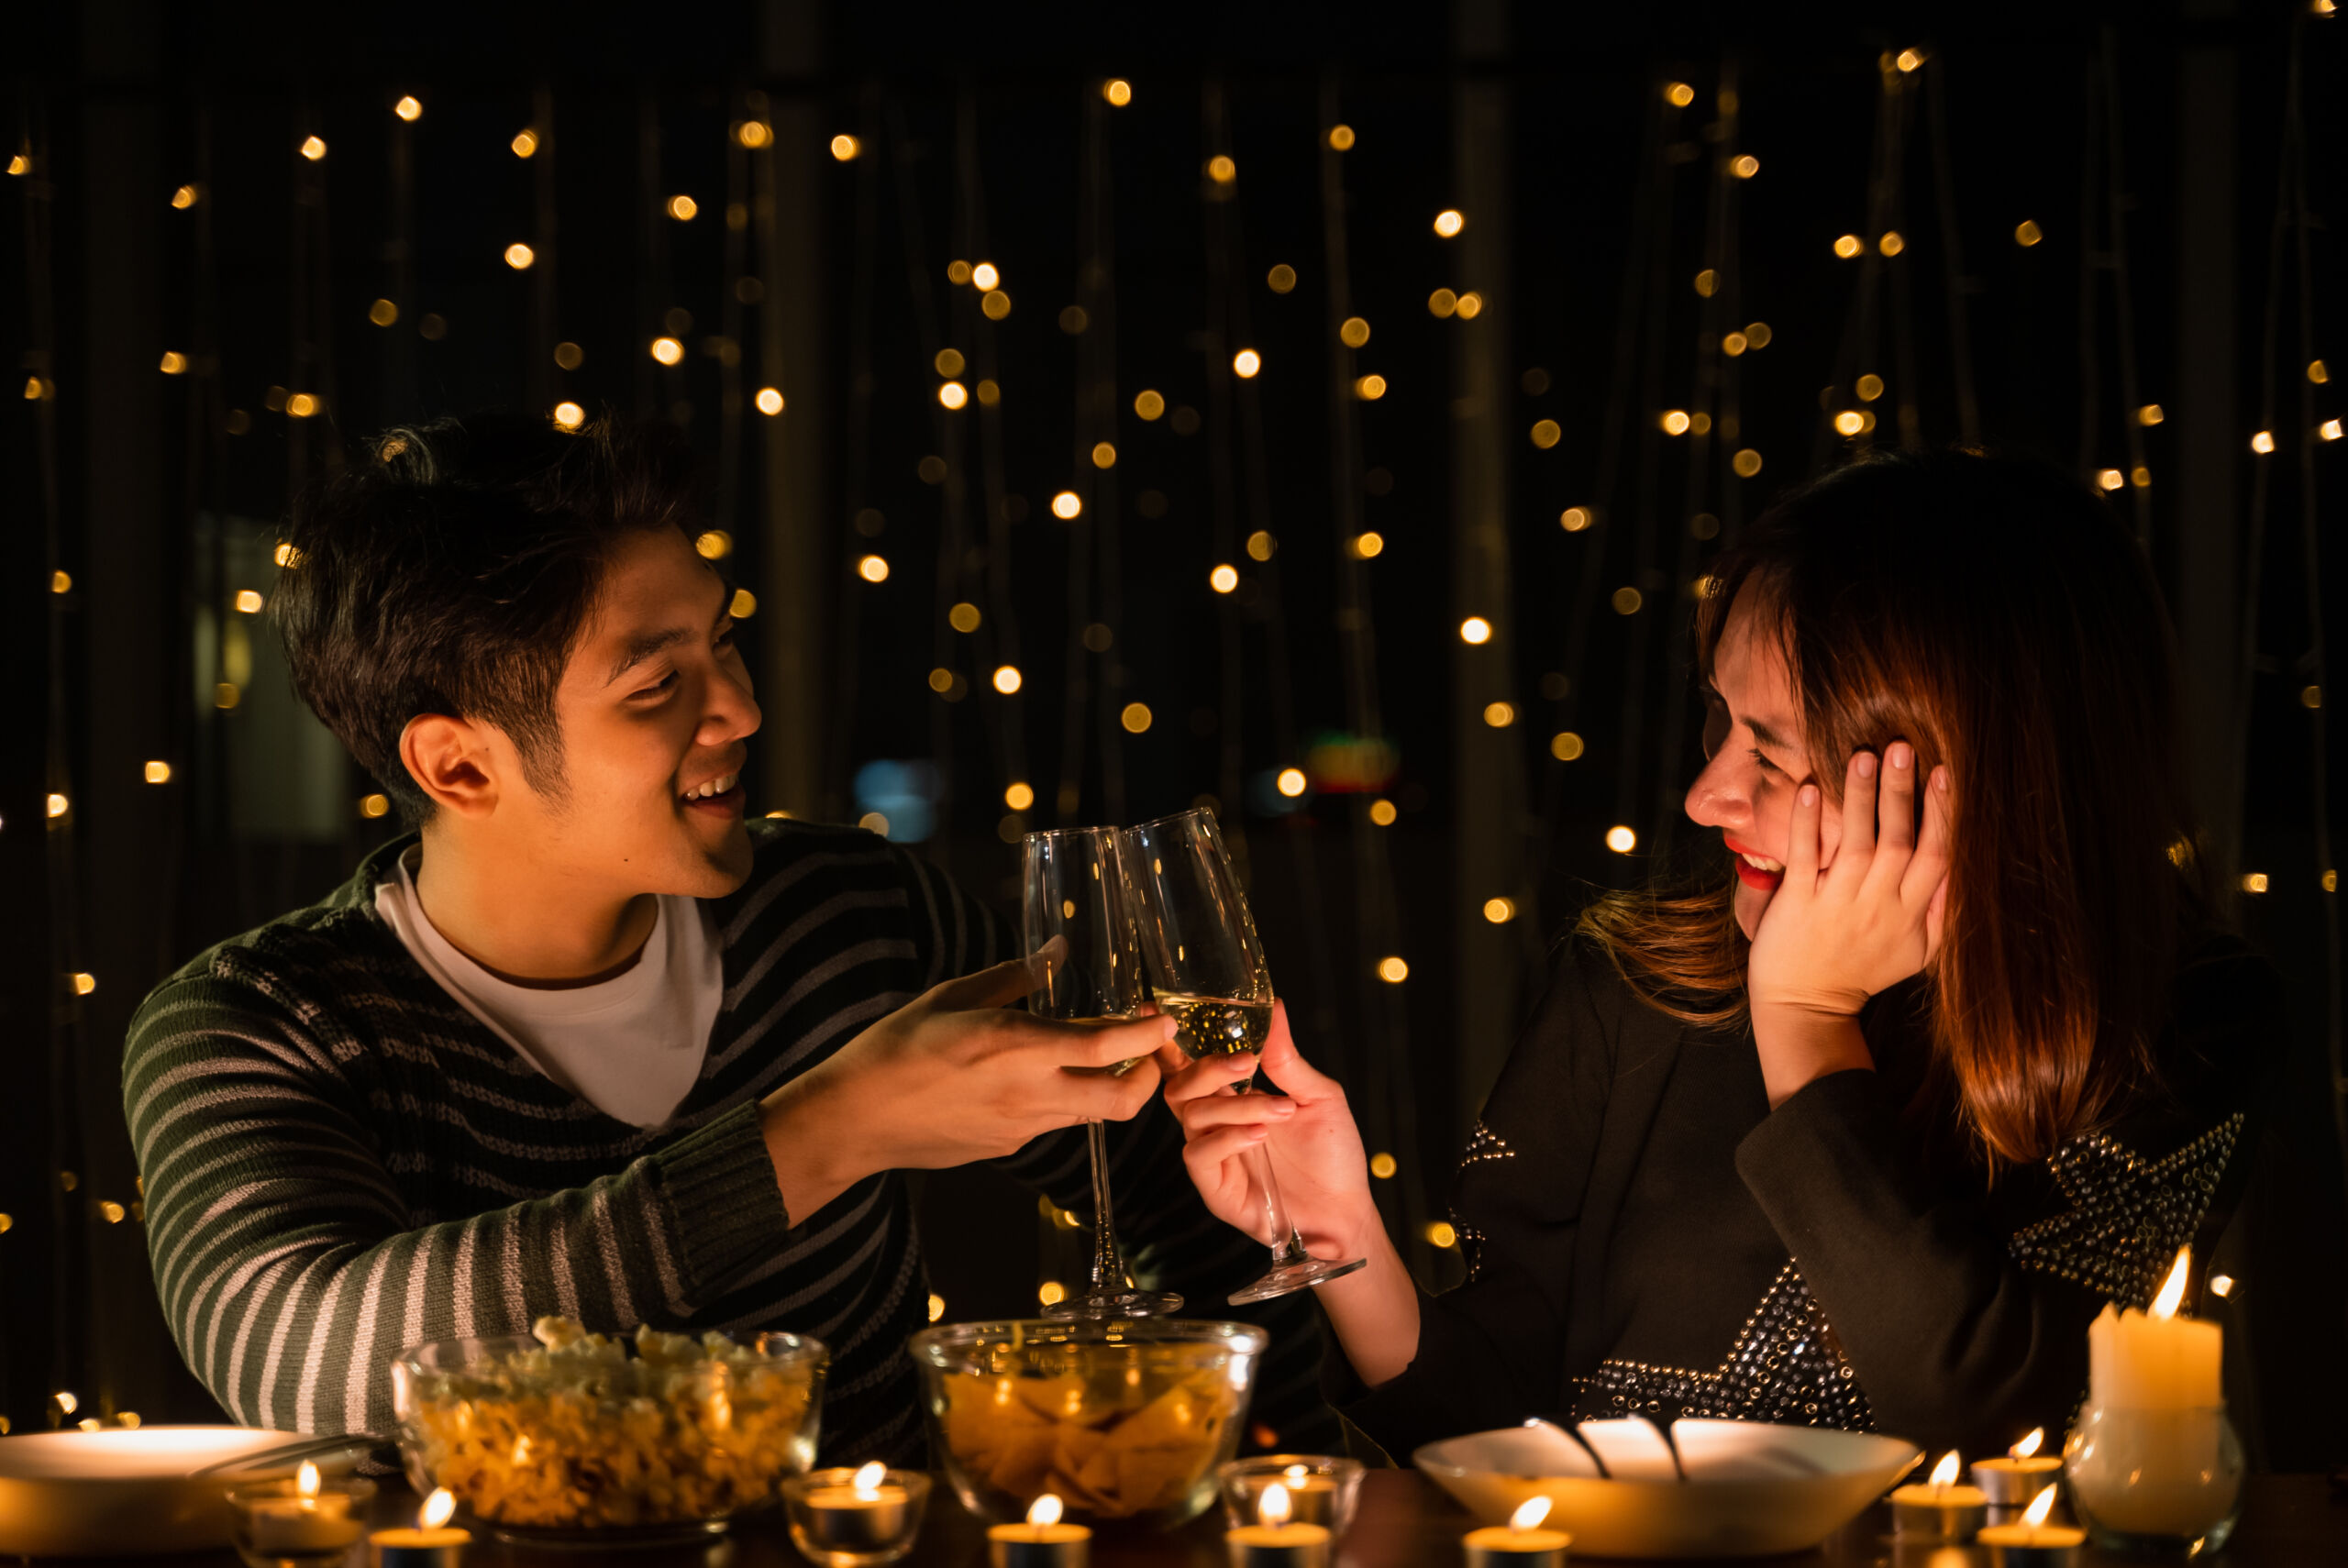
x=904 y=792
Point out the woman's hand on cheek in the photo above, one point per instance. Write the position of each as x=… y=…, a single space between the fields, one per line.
x=1831 y=939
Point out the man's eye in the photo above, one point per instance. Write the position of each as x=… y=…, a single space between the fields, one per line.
x=659 y=687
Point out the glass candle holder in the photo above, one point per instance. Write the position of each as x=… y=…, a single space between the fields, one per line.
x=2155 y=1482
x=276 y=1525
x=839 y=1524
x=1323 y=1489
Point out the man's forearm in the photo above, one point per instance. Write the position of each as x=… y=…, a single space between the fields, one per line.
x=817 y=1150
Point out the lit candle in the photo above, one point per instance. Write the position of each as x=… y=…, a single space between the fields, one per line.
x=1042 y=1542
x=1321 y=1488
x=2033 y=1543
x=1274 y=1541
x=431 y=1544
x=867 y=1516
x=1520 y=1543
x=1311 y=1499
x=2156 y=1360
x=2146 y=1458
x=301 y=1524
x=1940 y=1510
x=2011 y=1481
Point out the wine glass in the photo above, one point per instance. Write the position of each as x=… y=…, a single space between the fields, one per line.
x=1207 y=969
x=1075 y=890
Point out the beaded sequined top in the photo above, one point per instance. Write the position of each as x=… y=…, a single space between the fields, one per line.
x=1643 y=1234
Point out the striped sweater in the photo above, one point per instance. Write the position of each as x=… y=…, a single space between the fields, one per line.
x=342 y=1161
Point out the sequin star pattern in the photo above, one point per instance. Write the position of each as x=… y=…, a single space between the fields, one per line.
x=1786 y=1366
x=2129 y=1215
x=1484 y=1145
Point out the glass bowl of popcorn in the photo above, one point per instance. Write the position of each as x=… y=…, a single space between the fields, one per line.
x=561 y=1433
x=1125 y=1421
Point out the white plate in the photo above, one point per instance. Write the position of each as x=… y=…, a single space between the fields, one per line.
x=1752 y=1489
x=122 y=1493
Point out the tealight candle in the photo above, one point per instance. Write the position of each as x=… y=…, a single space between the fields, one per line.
x=2033 y=1543
x=1519 y=1543
x=1274 y=1541
x=2011 y=1481
x=303 y=1523
x=855 y=1519
x=1940 y=1510
x=430 y=1544
x=1323 y=1489
x=1042 y=1542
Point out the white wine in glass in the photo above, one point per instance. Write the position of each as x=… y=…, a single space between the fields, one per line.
x=1207 y=969
x=1075 y=890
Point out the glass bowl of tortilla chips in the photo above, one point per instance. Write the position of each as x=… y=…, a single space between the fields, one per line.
x=1125 y=1421
x=562 y=1435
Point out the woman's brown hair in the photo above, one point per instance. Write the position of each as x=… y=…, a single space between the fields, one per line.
x=1993 y=614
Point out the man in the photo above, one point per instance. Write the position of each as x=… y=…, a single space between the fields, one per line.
x=588 y=1043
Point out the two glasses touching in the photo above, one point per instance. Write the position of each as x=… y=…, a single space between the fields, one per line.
x=1155 y=915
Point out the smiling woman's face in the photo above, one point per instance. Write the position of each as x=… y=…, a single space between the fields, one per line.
x=1752 y=737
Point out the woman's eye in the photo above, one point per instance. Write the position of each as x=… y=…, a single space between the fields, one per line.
x=1767 y=766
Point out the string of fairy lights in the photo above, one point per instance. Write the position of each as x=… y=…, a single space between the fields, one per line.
x=1683 y=398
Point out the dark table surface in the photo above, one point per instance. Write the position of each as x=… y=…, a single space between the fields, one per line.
x=2289 y=1521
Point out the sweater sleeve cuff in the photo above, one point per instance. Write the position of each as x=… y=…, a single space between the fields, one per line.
x=725 y=1208
x=1833 y=1135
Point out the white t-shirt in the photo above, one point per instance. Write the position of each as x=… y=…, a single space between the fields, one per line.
x=631 y=1046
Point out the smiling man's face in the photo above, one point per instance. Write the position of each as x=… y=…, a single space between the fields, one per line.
x=654 y=709
x=1754 y=738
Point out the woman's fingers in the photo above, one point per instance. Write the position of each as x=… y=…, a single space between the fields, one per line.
x=1802 y=853
x=1898 y=830
x=1927 y=872
x=1286 y=1065
x=1196 y=1080
x=1855 y=851
x=1203 y=1116
x=1210 y=1159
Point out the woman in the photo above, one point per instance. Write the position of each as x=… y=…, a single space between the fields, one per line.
x=1866 y=1127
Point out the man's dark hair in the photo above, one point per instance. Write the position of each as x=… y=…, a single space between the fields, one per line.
x=450 y=568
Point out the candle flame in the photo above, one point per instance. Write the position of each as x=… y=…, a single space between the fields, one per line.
x=1295 y=1473
x=1529 y=1514
x=1273 y=1508
x=306 y=1480
x=1044 y=1511
x=2040 y=1506
x=868 y=1480
x=2172 y=1294
x=438 y=1509
x=2028 y=1445
x=1945 y=1473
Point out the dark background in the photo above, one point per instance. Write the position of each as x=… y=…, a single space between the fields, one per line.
x=2143 y=141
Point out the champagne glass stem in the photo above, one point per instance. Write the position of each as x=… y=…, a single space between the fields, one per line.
x=1108 y=1262
x=1288 y=1247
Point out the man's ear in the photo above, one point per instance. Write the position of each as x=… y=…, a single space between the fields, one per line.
x=451 y=762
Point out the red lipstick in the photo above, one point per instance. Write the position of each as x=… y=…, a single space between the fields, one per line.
x=1752 y=876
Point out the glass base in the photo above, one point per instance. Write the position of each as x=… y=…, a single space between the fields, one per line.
x=2162 y=1548
x=1287 y=1277
x=1114 y=1304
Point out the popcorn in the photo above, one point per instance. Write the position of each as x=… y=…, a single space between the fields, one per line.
x=581 y=1434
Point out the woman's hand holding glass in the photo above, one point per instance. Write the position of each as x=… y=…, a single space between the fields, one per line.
x=1307 y=1131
